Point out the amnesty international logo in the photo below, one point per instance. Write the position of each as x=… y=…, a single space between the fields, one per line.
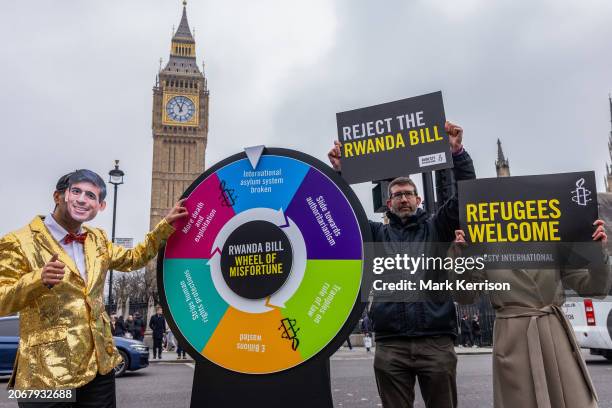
x=289 y=332
x=581 y=195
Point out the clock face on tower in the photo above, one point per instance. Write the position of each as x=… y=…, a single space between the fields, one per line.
x=180 y=109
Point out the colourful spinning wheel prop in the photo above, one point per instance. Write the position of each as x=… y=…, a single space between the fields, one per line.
x=266 y=272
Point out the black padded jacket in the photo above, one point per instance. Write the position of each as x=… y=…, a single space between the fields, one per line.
x=425 y=317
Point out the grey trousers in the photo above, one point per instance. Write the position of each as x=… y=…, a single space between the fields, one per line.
x=398 y=362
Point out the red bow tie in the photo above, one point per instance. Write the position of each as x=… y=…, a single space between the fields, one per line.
x=70 y=237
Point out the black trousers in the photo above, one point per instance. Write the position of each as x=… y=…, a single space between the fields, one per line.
x=466 y=338
x=98 y=393
x=399 y=362
x=157 y=346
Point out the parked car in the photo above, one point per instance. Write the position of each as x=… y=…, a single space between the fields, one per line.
x=135 y=354
x=592 y=323
x=9 y=340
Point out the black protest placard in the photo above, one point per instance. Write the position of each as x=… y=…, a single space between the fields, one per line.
x=530 y=221
x=394 y=139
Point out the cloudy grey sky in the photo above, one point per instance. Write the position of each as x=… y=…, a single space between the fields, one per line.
x=77 y=78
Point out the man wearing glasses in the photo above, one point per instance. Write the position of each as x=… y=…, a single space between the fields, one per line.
x=416 y=339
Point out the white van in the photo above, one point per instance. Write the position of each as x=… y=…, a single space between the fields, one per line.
x=592 y=323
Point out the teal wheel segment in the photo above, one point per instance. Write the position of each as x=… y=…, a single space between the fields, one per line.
x=194 y=302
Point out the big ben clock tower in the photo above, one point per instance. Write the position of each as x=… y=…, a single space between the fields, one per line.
x=180 y=126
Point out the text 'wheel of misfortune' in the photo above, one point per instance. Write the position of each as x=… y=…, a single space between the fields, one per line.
x=268 y=267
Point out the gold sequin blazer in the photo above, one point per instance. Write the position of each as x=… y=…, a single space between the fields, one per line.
x=65 y=333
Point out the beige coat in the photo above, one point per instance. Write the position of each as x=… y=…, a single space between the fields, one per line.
x=536 y=360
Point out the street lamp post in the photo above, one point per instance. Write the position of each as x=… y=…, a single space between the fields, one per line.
x=115 y=178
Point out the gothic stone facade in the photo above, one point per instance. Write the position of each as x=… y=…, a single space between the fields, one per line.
x=180 y=127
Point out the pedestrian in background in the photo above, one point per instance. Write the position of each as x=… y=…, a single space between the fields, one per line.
x=158 y=325
x=129 y=327
x=139 y=326
x=365 y=325
x=170 y=340
x=120 y=327
x=476 y=333
x=367 y=342
x=365 y=330
x=466 y=332
x=180 y=351
x=114 y=324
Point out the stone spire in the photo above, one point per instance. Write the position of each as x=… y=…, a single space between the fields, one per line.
x=179 y=127
x=183 y=32
x=502 y=165
x=182 y=51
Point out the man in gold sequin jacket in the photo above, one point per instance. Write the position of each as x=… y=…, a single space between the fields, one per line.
x=52 y=273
